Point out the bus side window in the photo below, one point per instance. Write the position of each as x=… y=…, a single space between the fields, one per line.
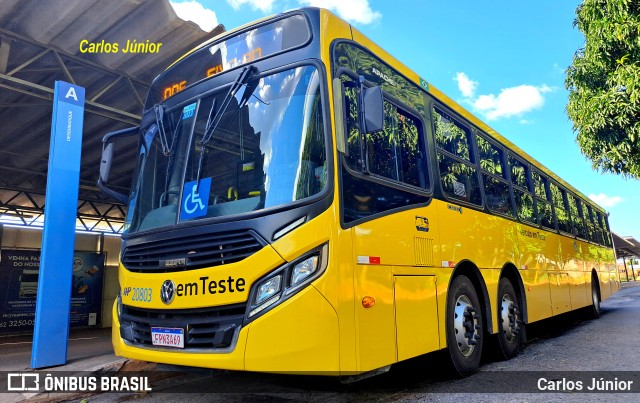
x=525 y=207
x=396 y=151
x=496 y=187
x=589 y=219
x=458 y=172
x=545 y=210
x=599 y=228
x=577 y=218
x=352 y=127
x=606 y=232
x=562 y=216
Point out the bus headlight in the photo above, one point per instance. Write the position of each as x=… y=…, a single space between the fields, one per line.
x=287 y=280
x=268 y=289
x=303 y=270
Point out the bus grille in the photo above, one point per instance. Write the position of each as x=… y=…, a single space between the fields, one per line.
x=205 y=328
x=190 y=252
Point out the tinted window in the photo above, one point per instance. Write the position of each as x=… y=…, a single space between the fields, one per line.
x=545 y=211
x=490 y=157
x=459 y=180
x=606 y=231
x=518 y=172
x=525 y=207
x=557 y=196
x=590 y=223
x=575 y=210
x=458 y=174
x=396 y=151
x=496 y=188
x=452 y=136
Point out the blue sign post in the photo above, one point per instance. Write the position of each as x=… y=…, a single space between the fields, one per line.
x=51 y=330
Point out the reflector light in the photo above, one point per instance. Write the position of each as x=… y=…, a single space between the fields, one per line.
x=368 y=259
x=368 y=302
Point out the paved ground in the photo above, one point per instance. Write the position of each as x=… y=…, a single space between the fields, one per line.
x=563 y=345
x=87 y=348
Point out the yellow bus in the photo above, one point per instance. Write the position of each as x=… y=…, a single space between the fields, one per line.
x=305 y=203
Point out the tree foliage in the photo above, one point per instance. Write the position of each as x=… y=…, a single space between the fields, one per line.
x=604 y=85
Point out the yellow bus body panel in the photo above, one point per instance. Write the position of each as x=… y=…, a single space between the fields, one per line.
x=301 y=335
x=416 y=311
x=197 y=296
x=537 y=251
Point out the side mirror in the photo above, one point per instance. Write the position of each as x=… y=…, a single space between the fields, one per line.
x=106 y=161
x=373 y=109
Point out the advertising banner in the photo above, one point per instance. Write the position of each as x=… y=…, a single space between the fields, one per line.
x=19 y=274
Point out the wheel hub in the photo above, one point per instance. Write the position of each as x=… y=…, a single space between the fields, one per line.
x=509 y=315
x=465 y=325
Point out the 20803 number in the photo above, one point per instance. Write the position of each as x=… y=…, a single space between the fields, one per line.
x=141 y=294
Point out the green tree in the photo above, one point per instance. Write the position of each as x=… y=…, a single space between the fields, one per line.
x=604 y=85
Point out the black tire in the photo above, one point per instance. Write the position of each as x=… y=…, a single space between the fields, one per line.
x=594 y=312
x=509 y=320
x=465 y=327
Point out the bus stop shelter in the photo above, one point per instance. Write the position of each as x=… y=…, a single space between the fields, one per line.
x=39 y=45
x=626 y=247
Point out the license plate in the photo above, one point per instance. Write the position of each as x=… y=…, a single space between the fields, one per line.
x=167 y=337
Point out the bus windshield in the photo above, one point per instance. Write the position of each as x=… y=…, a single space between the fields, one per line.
x=267 y=150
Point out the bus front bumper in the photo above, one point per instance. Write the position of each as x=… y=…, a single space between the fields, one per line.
x=299 y=336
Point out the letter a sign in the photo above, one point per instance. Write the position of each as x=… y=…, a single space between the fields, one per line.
x=71 y=93
x=53 y=304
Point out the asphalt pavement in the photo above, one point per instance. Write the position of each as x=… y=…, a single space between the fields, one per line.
x=565 y=347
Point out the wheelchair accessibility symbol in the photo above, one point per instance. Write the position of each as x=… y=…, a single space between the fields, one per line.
x=195 y=198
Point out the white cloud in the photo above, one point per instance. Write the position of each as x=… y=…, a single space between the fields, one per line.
x=263 y=5
x=604 y=200
x=358 y=11
x=466 y=86
x=510 y=102
x=513 y=101
x=196 y=12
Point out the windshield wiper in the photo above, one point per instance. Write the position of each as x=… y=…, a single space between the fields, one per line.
x=164 y=142
x=214 y=119
x=215 y=116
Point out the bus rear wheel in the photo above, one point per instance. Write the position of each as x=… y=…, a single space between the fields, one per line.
x=509 y=317
x=464 y=326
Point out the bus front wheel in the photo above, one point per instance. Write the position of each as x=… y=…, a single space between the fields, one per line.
x=509 y=332
x=464 y=326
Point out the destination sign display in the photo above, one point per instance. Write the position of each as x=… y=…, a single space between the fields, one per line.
x=243 y=48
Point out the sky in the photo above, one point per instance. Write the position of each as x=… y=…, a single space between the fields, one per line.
x=505 y=61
